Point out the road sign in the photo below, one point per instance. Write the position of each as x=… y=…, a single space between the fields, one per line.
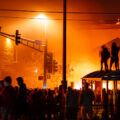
x=38 y=42
x=40 y=77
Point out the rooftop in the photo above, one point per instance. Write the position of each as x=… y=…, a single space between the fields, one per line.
x=104 y=75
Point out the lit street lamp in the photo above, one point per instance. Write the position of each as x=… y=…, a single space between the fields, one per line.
x=43 y=19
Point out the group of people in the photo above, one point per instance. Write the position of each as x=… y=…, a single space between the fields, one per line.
x=85 y=102
x=105 y=55
x=19 y=102
x=12 y=99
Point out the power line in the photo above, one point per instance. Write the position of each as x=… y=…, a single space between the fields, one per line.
x=71 y=12
x=10 y=10
x=12 y=17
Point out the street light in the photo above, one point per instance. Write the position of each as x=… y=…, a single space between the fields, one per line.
x=8 y=40
x=36 y=70
x=43 y=19
x=8 y=43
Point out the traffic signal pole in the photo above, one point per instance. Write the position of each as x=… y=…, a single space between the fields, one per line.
x=45 y=61
x=64 y=81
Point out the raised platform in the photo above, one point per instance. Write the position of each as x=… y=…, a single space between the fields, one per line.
x=103 y=75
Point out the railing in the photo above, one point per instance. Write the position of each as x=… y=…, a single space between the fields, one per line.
x=99 y=110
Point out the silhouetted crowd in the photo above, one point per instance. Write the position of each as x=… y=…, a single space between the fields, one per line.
x=113 y=55
x=20 y=103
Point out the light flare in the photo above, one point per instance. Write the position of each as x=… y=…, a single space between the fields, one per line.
x=41 y=18
x=110 y=85
x=8 y=43
x=78 y=85
x=94 y=86
x=118 y=85
x=8 y=40
x=104 y=84
x=36 y=70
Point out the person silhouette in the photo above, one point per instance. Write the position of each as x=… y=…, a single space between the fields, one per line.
x=114 y=56
x=104 y=58
x=22 y=97
x=87 y=98
x=8 y=100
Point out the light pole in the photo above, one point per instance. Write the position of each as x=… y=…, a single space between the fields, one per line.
x=45 y=61
x=43 y=19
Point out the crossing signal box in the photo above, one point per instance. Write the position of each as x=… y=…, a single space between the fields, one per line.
x=17 y=37
x=55 y=66
x=49 y=62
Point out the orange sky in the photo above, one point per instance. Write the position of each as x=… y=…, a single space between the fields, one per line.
x=83 y=37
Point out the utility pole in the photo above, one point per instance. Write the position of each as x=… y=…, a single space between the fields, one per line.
x=64 y=81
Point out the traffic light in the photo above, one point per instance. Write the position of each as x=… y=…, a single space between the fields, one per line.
x=49 y=62
x=55 y=66
x=17 y=37
x=0 y=28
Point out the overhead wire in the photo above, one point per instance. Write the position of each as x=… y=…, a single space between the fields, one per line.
x=69 y=12
x=56 y=19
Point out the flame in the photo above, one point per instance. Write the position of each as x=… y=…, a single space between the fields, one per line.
x=110 y=85
x=93 y=86
x=78 y=85
x=104 y=84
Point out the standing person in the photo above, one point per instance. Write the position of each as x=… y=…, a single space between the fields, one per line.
x=61 y=103
x=1 y=88
x=8 y=100
x=87 y=98
x=72 y=104
x=114 y=56
x=22 y=95
x=117 y=108
x=105 y=104
x=104 y=57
